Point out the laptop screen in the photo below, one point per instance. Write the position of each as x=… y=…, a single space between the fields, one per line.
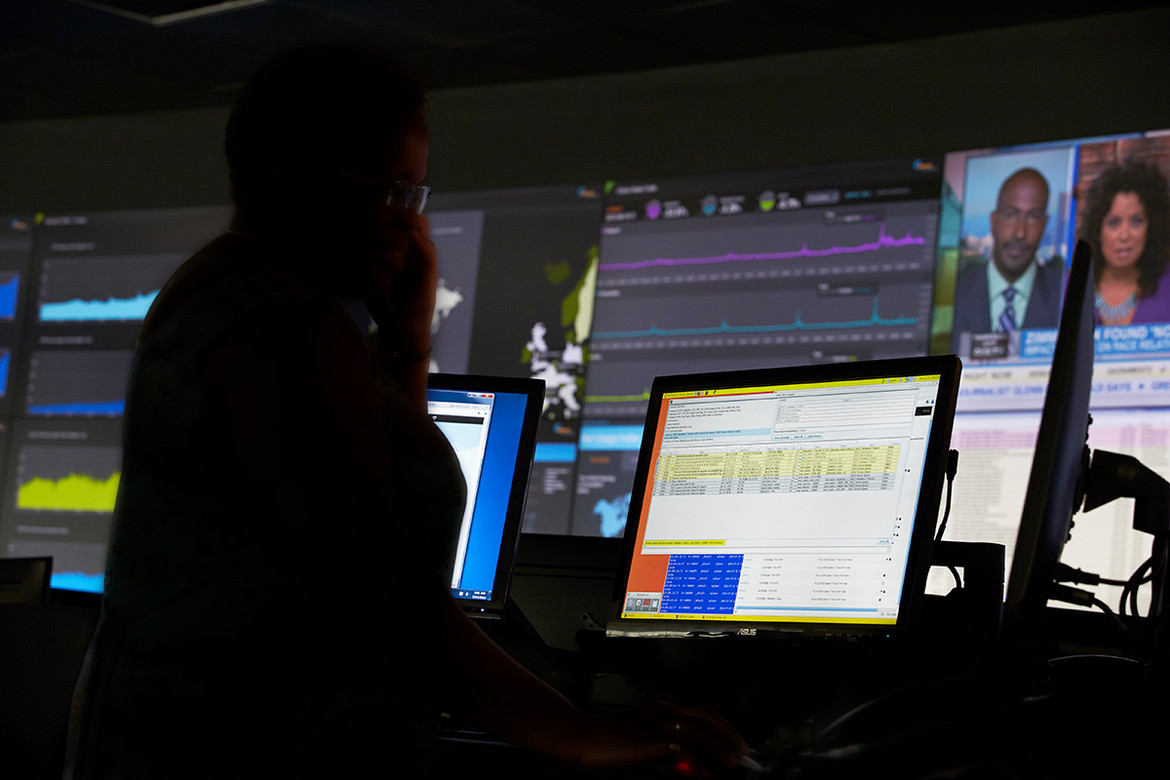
x=796 y=499
x=491 y=424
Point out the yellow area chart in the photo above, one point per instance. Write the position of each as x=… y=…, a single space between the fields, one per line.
x=73 y=493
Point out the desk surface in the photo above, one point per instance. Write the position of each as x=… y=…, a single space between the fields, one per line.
x=912 y=710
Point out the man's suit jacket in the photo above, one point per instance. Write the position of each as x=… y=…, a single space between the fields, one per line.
x=973 y=304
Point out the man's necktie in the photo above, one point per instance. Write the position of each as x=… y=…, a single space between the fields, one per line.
x=1007 y=320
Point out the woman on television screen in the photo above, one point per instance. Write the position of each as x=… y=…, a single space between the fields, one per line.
x=1127 y=222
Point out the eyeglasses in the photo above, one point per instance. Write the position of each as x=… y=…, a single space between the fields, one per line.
x=1010 y=214
x=401 y=194
x=408 y=196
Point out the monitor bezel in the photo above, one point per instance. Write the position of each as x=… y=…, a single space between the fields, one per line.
x=533 y=391
x=948 y=367
x=1059 y=463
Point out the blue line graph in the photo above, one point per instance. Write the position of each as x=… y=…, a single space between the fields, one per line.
x=111 y=309
x=78 y=383
x=8 y=293
x=78 y=580
x=107 y=408
x=875 y=320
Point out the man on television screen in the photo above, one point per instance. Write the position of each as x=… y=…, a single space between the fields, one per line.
x=1014 y=291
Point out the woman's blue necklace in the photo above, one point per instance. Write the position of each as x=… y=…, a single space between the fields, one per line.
x=1116 y=313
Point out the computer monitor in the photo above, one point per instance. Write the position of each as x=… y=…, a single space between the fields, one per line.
x=797 y=500
x=25 y=580
x=1061 y=460
x=491 y=423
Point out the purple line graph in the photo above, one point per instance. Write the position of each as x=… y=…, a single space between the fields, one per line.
x=884 y=241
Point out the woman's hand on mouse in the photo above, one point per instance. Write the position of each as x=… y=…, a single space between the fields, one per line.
x=695 y=740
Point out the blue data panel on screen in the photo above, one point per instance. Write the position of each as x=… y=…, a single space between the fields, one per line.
x=704 y=583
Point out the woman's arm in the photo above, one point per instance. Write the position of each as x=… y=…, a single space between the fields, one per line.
x=300 y=405
x=506 y=700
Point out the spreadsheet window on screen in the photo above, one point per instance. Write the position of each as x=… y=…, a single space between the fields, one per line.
x=779 y=503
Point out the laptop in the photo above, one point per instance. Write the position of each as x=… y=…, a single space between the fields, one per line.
x=787 y=501
x=491 y=423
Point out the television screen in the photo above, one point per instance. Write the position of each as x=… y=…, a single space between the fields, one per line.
x=597 y=289
x=822 y=264
x=518 y=268
x=1012 y=215
x=16 y=243
x=91 y=278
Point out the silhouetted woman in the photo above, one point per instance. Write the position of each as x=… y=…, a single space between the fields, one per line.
x=275 y=603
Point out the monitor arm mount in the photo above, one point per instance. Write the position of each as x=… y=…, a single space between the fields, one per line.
x=1110 y=476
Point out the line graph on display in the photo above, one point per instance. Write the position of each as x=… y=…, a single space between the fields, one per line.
x=77 y=565
x=71 y=493
x=630 y=398
x=883 y=242
x=67 y=478
x=621 y=383
x=108 y=310
x=9 y=288
x=112 y=408
x=105 y=288
x=797 y=324
x=76 y=382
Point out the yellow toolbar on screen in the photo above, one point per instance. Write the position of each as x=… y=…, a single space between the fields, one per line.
x=802 y=386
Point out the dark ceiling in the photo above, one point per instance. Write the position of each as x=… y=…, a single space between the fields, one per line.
x=86 y=57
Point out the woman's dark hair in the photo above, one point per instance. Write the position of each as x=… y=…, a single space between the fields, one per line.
x=318 y=105
x=1147 y=182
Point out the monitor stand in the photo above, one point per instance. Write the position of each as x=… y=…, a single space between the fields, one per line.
x=972 y=611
